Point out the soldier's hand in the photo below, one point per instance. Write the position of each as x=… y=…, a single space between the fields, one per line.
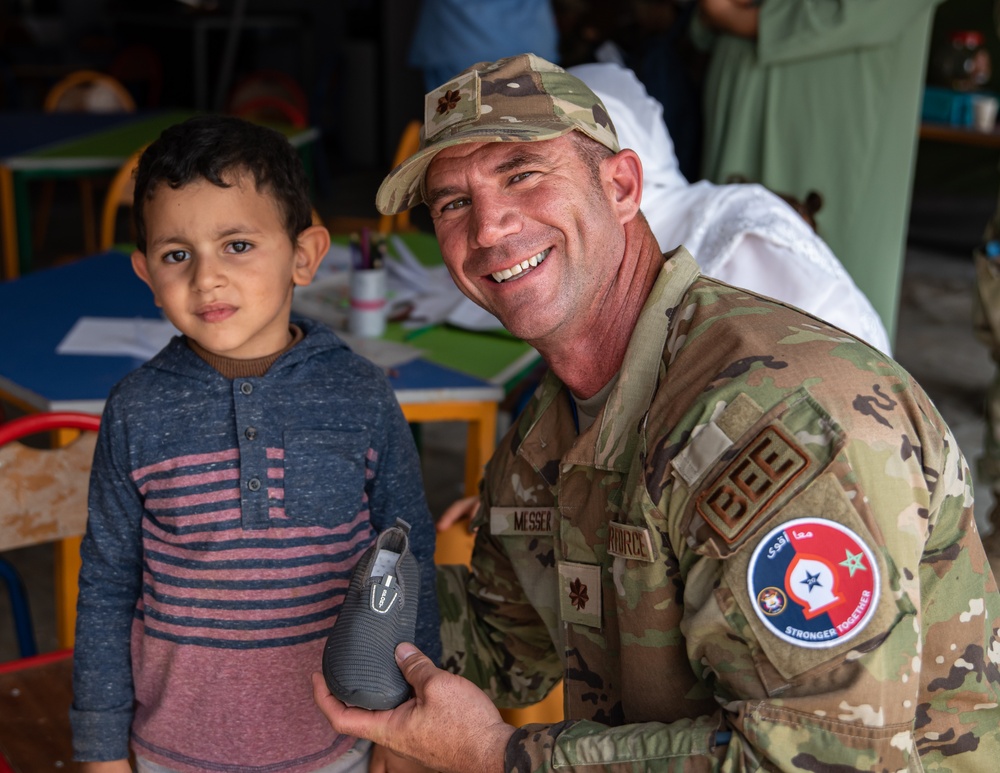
x=385 y=761
x=442 y=703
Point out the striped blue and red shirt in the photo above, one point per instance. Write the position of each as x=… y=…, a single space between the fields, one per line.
x=226 y=516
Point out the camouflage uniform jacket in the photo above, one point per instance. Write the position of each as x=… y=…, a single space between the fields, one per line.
x=761 y=555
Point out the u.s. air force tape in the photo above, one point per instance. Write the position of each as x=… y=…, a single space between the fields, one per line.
x=626 y=541
x=513 y=521
x=813 y=582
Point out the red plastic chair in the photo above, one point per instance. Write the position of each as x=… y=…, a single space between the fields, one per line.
x=272 y=109
x=268 y=83
x=43 y=498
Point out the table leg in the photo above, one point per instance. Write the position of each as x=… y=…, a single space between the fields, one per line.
x=22 y=207
x=8 y=221
x=67 y=568
x=67 y=573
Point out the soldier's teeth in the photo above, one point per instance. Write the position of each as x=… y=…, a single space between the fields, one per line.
x=524 y=265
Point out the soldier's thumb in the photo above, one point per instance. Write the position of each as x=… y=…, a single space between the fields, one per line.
x=417 y=668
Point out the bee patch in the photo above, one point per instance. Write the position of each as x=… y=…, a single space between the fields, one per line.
x=751 y=483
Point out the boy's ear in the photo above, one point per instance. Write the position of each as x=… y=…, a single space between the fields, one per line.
x=310 y=249
x=142 y=271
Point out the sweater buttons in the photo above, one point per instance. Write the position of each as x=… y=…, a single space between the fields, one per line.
x=250 y=433
x=246 y=387
x=253 y=484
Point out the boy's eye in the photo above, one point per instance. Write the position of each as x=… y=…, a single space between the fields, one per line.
x=176 y=256
x=239 y=247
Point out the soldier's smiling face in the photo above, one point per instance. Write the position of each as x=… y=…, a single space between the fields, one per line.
x=527 y=231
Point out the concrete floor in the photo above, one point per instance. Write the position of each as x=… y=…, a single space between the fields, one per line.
x=935 y=344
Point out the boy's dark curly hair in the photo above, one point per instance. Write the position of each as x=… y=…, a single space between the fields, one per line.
x=215 y=148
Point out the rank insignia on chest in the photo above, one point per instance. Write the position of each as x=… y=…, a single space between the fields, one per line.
x=813 y=582
x=514 y=521
x=580 y=594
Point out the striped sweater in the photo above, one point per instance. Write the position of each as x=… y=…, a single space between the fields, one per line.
x=226 y=516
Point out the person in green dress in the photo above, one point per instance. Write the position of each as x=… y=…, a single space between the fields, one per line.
x=823 y=95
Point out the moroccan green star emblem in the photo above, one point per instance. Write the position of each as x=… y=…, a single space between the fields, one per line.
x=853 y=562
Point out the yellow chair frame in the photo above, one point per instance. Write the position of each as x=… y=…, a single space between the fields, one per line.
x=409 y=143
x=83 y=79
x=119 y=195
x=55 y=101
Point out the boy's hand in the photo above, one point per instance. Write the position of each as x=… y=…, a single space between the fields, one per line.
x=112 y=766
x=385 y=761
x=467 y=507
x=476 y=734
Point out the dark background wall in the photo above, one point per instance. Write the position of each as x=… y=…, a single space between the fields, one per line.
x=350 y=56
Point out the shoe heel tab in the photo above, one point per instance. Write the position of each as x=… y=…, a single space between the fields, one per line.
x=401 y=524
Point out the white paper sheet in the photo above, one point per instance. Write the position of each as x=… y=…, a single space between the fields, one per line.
x=385 y=354
x=435 y=298
x=116 y=336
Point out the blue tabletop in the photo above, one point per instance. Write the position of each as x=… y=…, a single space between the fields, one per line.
x=22 y=131
x=39 y=309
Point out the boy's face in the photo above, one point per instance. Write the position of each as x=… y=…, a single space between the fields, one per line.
x=221 y=266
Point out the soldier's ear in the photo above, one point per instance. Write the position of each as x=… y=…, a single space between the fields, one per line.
x=623 y=175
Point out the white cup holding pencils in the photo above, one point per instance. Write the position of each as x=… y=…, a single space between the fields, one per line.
x=366 y=318
x=368 y=302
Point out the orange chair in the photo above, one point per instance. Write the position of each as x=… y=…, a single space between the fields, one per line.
x=89 y=91
x=43 y=498
x=409 y=142
x=118 y=196
x=83 y=91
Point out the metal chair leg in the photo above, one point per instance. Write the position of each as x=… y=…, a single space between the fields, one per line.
x=19 y=607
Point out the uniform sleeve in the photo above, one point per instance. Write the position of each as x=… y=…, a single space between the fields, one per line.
x=791 y=30
x=397 y=492
x=110 y=583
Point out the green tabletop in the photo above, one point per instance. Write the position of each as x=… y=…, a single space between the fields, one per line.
x=110 y=148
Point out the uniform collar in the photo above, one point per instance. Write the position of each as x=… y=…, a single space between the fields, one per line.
x=620 y=430
x=627 y=404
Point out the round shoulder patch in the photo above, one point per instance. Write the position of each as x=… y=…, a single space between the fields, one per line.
x=813 y=583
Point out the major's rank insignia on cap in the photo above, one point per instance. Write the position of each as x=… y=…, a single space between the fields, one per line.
x=813 y=582
x=455 y=102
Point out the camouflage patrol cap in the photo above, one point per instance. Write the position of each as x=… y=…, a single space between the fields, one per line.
x=519 y=99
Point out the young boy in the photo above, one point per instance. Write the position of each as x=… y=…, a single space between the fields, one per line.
x=239 y=476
